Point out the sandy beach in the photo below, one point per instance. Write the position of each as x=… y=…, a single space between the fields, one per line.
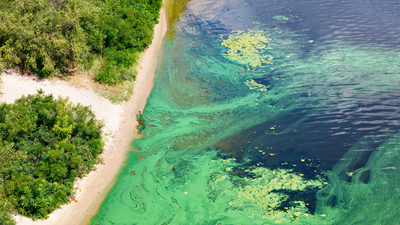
x=120 y=127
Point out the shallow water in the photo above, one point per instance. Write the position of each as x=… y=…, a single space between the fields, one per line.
x=309 y=136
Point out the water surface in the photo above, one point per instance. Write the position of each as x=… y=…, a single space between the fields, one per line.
x=309 y=136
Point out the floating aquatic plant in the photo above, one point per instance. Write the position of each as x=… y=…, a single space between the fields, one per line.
x=262 y=192
x=248 y=47
x=280 y=17
x=254 y=85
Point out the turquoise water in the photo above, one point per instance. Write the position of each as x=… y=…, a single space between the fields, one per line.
x=294 y=121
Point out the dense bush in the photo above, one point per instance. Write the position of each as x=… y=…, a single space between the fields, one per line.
x=5 y=212
x=45 y=143
x=48 y=36
x=54 y=36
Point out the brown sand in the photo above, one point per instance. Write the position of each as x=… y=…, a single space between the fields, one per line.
x=120 y=122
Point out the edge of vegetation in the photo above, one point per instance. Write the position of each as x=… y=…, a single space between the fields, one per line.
x=46 y=143
x=59 y=37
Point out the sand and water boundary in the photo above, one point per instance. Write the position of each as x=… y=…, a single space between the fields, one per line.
x=120 y=125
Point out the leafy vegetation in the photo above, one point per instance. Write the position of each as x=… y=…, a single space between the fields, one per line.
x=52 y=37
x=45 y=143
x=5 y=209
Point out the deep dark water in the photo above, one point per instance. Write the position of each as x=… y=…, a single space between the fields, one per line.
x=324 y=136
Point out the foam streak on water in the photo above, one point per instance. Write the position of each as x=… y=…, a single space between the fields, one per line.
x=295 y=121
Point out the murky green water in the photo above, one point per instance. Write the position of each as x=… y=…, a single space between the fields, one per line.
x=294 y=118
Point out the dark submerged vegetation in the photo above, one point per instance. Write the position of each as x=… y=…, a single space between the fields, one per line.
x=140 y=120
x=55 y=37
x=45 y=144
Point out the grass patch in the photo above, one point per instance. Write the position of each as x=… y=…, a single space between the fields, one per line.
x=118 y=93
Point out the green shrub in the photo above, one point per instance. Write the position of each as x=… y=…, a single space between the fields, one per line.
x=52 y=37
x=45 y=144
x=128 y=26
x=48 y=36
x=5 y=211
x=117 y=67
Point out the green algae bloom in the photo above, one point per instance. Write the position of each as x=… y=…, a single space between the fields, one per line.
x=248 y=48
x=280 y=17
x=254 y=85
x=262 y=192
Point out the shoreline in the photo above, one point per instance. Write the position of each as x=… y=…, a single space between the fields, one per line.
x=148 y=73
x=92 y=188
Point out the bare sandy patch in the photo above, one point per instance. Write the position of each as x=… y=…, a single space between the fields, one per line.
x=120 y=123
x=15 y=85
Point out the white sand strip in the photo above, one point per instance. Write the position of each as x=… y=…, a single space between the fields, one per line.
x=15 y=85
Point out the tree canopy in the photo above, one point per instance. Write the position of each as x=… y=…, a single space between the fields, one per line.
x=51 y=37
x=45 y=144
